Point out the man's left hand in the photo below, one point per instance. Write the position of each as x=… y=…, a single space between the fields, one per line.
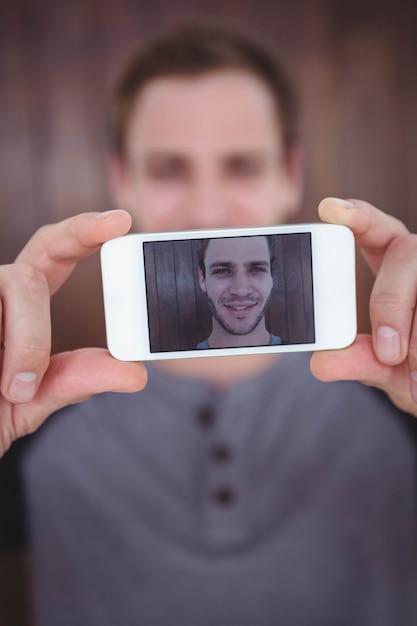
x=388 y=358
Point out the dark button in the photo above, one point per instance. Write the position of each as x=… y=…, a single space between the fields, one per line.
x=225 y=496
x=206 y=417
x=221 y=453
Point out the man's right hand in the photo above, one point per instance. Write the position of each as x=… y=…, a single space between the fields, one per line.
x=33 y=384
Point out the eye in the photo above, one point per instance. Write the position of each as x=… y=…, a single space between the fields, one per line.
x=221 y=271
x=166 y=169
x=259 y=269
x=244 y=166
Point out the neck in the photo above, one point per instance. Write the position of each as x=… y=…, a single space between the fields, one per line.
x=221 y=372
x=221 y=338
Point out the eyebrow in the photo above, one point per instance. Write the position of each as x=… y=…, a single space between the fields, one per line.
x=231 y=264
x=161 y=154
x=235 y=154
x=149 y=159
x=255 y=155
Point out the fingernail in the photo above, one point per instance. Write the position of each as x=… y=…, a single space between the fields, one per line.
x=387 y=344
x=413 y=379
x=106 y=213
x=346 y=204
x=23 y=387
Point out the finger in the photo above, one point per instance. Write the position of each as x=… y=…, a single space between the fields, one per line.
x=412 y=357
x=393 y=300
x=26 y=330
x=74 y=377
x=1 y=340
x=55 y=249
x=374 y=230
x=358 y=362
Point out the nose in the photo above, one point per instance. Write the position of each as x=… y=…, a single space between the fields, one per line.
x=240 y=285
x=208 y=205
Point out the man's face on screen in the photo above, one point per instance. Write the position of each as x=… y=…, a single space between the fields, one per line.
x=238 y=284
x=206 y=152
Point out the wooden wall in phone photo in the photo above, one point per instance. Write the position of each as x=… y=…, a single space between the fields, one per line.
x=178 y=314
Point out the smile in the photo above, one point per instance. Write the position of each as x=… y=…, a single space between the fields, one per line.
x=240 y=307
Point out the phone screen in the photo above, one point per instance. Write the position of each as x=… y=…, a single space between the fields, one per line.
x=239 y=291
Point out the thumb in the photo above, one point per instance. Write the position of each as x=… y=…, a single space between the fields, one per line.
x=357 y=362
x=73 y=377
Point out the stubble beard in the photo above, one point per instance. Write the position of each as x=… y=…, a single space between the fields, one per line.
x=227 y=327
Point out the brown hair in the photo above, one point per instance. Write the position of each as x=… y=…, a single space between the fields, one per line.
x=203 y=245
x=194 y=49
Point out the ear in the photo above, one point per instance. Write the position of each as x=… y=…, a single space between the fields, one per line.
x=202 y=280
x=294 y=165
x=118 y=181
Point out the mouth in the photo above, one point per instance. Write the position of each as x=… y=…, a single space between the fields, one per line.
x=240 y=307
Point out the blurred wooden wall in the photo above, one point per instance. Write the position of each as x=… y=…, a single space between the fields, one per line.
x=354 y=64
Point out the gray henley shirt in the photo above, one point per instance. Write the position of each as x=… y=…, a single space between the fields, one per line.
x=281 y=500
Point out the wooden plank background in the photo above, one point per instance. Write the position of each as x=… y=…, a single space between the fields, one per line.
x=354 y=65
x=178 y=314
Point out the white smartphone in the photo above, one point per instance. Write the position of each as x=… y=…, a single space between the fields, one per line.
x=229 y=291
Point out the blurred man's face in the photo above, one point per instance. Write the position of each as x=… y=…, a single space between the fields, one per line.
x=206 y=152
x=238 y=285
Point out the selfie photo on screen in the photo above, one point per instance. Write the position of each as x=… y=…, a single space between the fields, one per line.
x=229 y=292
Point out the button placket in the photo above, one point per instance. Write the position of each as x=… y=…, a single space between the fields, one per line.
x=223 y=519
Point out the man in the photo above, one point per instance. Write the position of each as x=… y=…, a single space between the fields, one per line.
x=236 y=275
x=232 y=490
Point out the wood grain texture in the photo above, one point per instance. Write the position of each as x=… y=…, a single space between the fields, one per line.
x=177 y=307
